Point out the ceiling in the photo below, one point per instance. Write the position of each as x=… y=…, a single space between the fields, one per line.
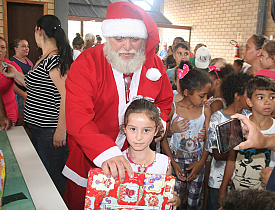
x=97 y=9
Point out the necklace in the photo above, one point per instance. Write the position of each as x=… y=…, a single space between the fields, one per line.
x=141 y=167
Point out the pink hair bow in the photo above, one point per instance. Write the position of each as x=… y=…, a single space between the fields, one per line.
x=182 y=72
x=215 y=69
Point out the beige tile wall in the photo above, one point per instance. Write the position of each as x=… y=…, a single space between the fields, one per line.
x=216 y=22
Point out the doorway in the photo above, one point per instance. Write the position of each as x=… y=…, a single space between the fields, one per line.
x=21 y=21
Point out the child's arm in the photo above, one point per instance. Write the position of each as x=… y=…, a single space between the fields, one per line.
x=219 y=156
x=228 y=172
x=165 y=146
x=216 y=106
x=196 y=167
x=175 y=201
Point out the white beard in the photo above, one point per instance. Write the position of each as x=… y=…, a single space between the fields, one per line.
x=126 y=67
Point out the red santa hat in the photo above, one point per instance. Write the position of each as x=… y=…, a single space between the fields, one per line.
x=125 y=19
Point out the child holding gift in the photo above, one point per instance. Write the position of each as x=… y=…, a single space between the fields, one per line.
x=141 y=126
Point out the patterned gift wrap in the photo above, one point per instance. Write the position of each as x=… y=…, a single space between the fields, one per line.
x=2 y=176
x=144 y=191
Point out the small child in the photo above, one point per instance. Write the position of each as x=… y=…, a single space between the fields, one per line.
x=216 y=75
x=248 y=163
x=141 y=125
x=181 y=53
x=238 y=64
x=187 y=156
x=216 y=102
x=219 y=62
x=268 y=60
x=233 y=88
x=177 y=92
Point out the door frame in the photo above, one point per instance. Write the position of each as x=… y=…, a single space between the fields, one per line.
x=5 y=14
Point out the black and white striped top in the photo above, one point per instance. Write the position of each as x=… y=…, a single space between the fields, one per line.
x=43 y=99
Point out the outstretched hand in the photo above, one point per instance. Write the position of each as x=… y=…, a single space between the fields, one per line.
x=10 y=71
x=255 y=138
x=116 y=167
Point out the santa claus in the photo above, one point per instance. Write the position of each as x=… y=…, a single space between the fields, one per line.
x=100 y=85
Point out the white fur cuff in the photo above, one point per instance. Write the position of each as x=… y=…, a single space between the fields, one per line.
x=124 y=28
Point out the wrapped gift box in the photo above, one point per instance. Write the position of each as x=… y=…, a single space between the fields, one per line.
x=2 y=176
x=144 y=191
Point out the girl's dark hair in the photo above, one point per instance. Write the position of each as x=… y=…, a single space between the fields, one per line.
x=239 y=62
x=147 y=107
x=14 y=44
x=227 y=69
x=259 y=40
x=195 y=79
x=234 y=83
x=78 y=42
x=182 y=45
x=180 y=38
x=52 y=27
x=98 y=38
x=170 y=61
x=201 y=45
x=260 y=82
x=269 y=47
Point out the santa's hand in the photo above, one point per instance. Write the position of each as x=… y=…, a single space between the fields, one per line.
x=116 y=167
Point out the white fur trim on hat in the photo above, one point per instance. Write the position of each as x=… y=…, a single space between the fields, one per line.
x=124 y=28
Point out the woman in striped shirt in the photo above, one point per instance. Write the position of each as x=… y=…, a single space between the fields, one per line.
x=45 y=105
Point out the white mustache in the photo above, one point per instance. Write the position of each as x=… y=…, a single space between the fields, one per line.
x=127 y=51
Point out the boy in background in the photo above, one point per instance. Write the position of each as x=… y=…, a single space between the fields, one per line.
x=248 y=163
x=233 y=87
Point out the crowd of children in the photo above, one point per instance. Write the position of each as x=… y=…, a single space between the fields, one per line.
x=206 y=93
x=201 y=102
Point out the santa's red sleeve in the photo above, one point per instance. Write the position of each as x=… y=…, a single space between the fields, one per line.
x=82 y=87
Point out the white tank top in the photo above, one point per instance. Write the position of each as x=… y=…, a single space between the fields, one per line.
x=186 y=143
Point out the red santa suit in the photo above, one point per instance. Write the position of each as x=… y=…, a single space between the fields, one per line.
x=95 y=105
